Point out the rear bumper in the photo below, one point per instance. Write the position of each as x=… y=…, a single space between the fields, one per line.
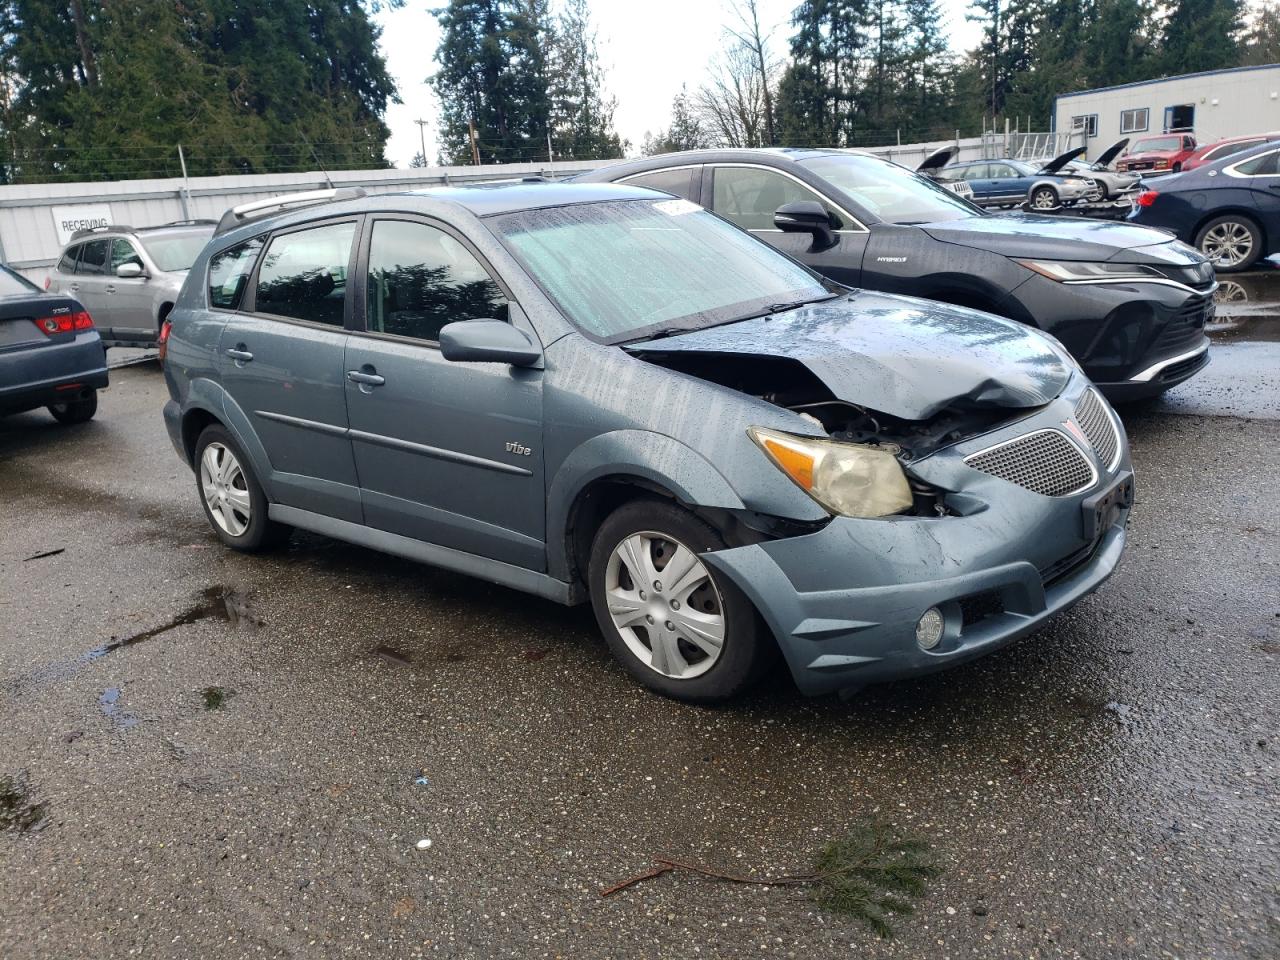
x=52 y=373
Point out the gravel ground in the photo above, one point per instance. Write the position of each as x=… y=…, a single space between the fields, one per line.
x=216 y=754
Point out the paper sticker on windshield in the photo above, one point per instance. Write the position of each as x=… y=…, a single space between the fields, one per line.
x=673 y=208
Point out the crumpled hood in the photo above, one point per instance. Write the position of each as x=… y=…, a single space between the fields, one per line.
x=1048 y=238
x=902 y=356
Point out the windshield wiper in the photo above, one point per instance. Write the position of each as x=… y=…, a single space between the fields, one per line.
x=788 y=305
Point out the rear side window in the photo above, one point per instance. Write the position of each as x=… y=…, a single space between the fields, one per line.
x=421 y=278
x=93 y=258
x=229 y=273
x=304 y=274
x=68 y=262
x=678 y=182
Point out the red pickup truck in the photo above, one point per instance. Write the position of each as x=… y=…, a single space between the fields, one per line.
x=1161 y=154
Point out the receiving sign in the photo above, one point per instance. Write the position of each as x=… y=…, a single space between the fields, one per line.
x=81 y=216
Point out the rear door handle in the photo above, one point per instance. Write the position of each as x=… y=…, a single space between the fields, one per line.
x=366 y=379
x=239 y=354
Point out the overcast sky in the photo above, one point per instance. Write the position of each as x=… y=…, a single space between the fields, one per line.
x=649 y=48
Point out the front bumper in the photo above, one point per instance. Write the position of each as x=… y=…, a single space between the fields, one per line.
x=843 y=602
x=1133 y=338
x=52 y=373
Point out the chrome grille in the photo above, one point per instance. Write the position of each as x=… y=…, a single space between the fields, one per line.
x=1091 y=414
x=1044 y=462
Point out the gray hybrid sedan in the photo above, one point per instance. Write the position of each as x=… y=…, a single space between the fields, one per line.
x=597 y=392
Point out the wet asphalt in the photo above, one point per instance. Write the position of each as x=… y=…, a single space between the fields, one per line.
x=206 y=754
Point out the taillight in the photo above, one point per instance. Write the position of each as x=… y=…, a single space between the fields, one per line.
x=163 y=343
x=65 y=323
x=1146 y=198
x=48 y=282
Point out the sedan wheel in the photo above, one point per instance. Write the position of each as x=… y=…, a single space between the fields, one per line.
x=1229 y=244
x=664 y=605
x=226 y=490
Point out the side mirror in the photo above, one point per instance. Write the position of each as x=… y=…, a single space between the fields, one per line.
x=488 y=341
x=806 y=216
x=129 y=271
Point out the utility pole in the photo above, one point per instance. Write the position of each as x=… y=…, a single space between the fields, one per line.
x=186 y=186
x=422 y=139
x=551 y=157
x=475 y=147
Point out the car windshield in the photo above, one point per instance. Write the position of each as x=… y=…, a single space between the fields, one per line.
x=13 y=284
x=893 y=193
x=1157 y=143
x=176 y=251
x=625 y=269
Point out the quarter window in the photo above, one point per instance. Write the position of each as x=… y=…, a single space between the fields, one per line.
x=93 y=258
x=749 y=196
x=678 y=182
x=1135 y=121
x=1266 y=165
x=304 y=274
x=229 y=272
x=421 y=278
x=977 y=171
x=68 y=262
x=122 y=252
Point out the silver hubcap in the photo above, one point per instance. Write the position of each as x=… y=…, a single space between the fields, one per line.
x=1044 y=200
x=664 y=605
x=1227 y=243
x=226 y=490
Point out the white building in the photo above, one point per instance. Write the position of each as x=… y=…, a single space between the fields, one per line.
x=1212 y=105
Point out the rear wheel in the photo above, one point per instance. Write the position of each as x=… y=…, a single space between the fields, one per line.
x=1233 y=242
x=1044 y=198
x=675 y=624
x=76 y=411
x=233 y=498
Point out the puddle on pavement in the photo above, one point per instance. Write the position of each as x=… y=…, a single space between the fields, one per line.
x=17 y=810
x=109 y=703
x=1248 y=306
x=215 y=603
x=215 y=698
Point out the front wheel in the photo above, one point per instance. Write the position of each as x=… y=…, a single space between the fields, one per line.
x=1044 y=198
x=675 y=624
x=1233 y=242
x=233 y=499
x=76 y=411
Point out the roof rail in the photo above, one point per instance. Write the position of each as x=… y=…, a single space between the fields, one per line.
x=187 y=223
x=259 y=209
x=105 y=228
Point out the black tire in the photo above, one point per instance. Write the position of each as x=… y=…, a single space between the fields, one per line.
x=748 y=649
x=261 y=532
x=1238 y=220
x=1177 y=168
x=1048 y=192
x=76 y=411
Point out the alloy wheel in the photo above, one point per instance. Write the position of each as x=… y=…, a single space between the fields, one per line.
x=1044 y=199
x=226 y=489
x=1228 y=243
x=664 y=605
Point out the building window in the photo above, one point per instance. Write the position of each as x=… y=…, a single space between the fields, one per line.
x=1088 y=123
x=1179 y=117
x=1135 y=121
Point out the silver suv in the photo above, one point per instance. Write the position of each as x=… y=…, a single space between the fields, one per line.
x=128 y=278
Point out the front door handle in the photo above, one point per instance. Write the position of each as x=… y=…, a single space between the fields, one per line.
x=239 y=354
x=365 y=379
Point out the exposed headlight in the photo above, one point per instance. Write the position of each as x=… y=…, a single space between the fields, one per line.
x=1073 y=182
x=848 y=479
x=1067 y=271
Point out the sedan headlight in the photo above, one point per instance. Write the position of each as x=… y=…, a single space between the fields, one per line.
x=1073 y=271
x=848 y=479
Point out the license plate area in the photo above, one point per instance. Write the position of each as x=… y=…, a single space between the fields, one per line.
x=1101 y=510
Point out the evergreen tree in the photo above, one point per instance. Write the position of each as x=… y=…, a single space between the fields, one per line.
x=582 y=112
x=928 y=77
x=1201 y=35
x=1262 y=42
x=1119 y=47
x=684 y=133
x=493 y=74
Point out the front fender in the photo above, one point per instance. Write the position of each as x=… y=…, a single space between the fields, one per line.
x=635 y=453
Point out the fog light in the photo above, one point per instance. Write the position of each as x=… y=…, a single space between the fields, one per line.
x=929 y=629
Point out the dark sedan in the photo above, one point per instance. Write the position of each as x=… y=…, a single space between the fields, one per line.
x=1229 y=209
x=50 y=354
x=1129 y=303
